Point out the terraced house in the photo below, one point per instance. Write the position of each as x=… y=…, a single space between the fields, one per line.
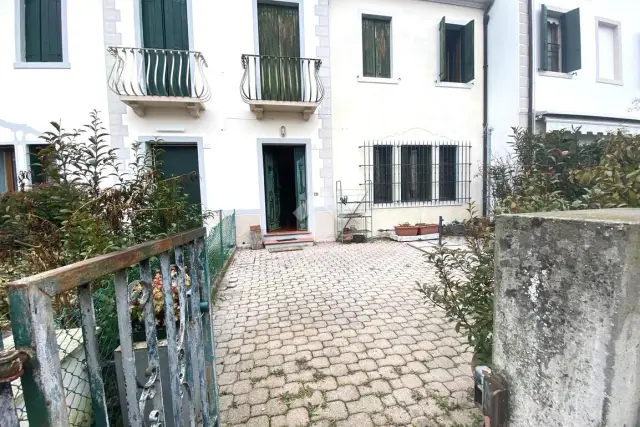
x=315 y=118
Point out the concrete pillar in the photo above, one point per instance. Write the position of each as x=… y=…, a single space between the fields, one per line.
x=567 y=317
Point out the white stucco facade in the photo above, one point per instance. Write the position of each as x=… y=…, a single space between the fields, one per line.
x=411 y=105
x=34 y=94
x=589 y=97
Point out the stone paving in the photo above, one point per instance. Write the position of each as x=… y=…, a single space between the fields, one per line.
x=338 y=335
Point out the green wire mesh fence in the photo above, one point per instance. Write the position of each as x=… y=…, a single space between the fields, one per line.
x=220 y=243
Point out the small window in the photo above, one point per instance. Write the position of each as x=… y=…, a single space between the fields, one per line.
x=376 y=47
x=42 y=26
x=382 y=173
x=38 y=163
x=456 y=52
x=448 y=159
x=415 y=175
x=560 y=41
x=608 y=52
x=7 y=169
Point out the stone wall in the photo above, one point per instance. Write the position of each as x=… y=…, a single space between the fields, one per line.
x=567 y=317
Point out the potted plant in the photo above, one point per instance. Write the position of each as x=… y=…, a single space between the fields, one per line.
x=137 y=309
x=406 y=229
x=424 y=229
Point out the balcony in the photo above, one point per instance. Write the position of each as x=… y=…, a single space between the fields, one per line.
x=159 y=78
x=281 y=84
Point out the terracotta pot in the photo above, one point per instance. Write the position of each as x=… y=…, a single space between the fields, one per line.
x=406 y=230
x=428 y=229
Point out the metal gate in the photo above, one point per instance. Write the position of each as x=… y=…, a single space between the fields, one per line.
x=190 y=359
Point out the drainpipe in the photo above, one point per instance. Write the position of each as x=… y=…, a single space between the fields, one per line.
x=531 y=71
x=485 y=111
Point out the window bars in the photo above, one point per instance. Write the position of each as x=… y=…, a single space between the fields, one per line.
x=418 y=173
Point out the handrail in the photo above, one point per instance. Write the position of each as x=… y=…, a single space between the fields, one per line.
x=158 y=72
x=281 y=78
x=62 y=279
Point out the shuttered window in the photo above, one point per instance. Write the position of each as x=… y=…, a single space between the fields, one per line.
x=7 y=169
x=382 y=174
x=376 y=47
x=415 y=173
x=43 y=30
x=457 y=50
x=560 y=42
x=448 y=165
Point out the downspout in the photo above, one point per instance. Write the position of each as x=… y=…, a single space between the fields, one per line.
x=485 y=111
x=531 y=72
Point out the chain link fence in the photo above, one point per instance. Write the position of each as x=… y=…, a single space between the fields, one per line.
x=220 y=243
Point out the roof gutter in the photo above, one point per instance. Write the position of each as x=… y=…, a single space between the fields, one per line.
x=485 y=111
x=531 y=112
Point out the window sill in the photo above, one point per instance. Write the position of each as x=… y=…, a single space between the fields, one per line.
x=610 y=82
x=41 y=65
x=454 y=85
x=556 y=74
x=379 y=80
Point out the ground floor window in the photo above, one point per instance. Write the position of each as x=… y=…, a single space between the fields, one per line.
x=7 y=169
x=418 y=173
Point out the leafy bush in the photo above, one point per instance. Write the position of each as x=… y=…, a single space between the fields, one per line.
x=88 y=205
x=547 y=172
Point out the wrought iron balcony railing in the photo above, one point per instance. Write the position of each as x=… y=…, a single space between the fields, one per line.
x=272 y=81
x=168 y=74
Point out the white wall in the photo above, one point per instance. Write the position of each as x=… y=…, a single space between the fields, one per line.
x=223 y=31
x=582 y=94
x=31 y=98
x=414 y=108
x=503 y=73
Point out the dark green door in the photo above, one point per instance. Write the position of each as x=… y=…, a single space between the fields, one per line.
x=165 y=26
x=301 y=187
x=271 y=191
x=279 y=42
x=181 y=161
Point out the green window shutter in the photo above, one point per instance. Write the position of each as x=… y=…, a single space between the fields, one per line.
x=368 y=48
x=544 y=42
x=383 y=48
x=176 y=33
x=153 y=24
x=382 y=174
x=468 y=59
x=443 y=50
x=51 y=30
x=32 y=29
x=571 y=51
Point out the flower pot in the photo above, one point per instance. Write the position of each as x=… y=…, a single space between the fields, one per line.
x=428 y=229
x=406 y=230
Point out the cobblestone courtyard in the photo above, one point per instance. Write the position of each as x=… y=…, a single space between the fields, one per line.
x=338 y=335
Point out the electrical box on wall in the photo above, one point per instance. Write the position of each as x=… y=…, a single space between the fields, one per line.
x=490 y=395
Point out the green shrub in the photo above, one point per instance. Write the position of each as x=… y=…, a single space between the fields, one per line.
x=546 y=172
x=89 y=204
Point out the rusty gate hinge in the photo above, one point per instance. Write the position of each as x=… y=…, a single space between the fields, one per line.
x=12 y=364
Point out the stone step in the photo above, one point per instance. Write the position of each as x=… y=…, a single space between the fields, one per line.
x=279 y=235
x=288 y=242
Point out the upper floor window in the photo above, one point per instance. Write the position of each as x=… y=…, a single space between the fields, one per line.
x=41 y=34
x=609 y=60
x=560 y=41
x=456 y=52
x=376 y=47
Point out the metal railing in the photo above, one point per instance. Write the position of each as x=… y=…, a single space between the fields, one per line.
x=279 y=78
x=181 y=279
x=158 y=72
x=417 y=173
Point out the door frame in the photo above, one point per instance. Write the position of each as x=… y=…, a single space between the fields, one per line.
x=184 y=140
x=308 y=165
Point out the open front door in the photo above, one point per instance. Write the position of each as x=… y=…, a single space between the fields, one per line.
x=271 y=191
x=279 y=44
x=301 y=187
